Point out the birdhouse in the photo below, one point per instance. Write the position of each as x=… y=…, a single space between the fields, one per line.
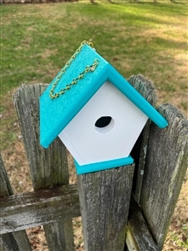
x=96 y=113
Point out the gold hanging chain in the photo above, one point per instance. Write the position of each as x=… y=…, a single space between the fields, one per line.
x=88 y=68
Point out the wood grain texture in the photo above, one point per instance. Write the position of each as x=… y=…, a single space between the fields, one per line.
x=17 y=241
x=48 y=167
x=147 y=89
x=42 y=207
x=5 y=186
x=166 y=165
x=59 y=237
x=104 y=199
x=138 y=235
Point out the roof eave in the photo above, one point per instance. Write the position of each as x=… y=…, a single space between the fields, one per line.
x=132 y=94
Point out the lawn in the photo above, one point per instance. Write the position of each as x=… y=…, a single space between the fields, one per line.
x=37 y=40
x=151 y=39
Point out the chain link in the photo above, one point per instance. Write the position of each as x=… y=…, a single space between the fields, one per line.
x=81 y=75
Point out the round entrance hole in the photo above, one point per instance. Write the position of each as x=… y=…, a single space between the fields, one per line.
x=104 y=124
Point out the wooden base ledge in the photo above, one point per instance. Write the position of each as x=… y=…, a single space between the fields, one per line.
x=22 y=211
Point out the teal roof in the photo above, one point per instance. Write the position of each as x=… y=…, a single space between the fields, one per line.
x=55 y=114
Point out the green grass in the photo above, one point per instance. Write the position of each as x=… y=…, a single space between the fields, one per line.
x=147 y=38
x=180 y=242
x=37 y=40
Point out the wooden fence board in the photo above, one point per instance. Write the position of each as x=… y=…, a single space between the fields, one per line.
x=12 y=241
x=45 y=206
x=16 y=241
x=166 y=165
x=104 y=199
x=148 y=91
x=48 y=167
x=5 y=186
x=138 y=237
x=60 y=236
x=145 y=87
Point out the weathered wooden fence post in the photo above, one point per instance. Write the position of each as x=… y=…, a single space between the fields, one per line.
x=48 y=167
x=137 y=226
x=16 y=241
x=104 y=201
x=148 y=91
x=166 y=165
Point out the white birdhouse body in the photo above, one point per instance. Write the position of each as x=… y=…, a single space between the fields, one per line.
x=105 y=129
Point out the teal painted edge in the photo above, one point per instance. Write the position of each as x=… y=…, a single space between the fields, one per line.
x=104 y=165
x=132 y=94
